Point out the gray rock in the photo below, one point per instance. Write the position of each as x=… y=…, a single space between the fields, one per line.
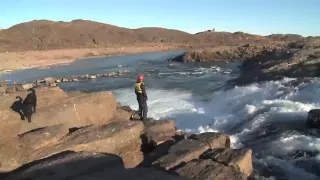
x=50 y=80
x=65 y=80
x=27 y=86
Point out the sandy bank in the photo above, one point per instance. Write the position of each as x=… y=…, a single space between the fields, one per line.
x=28 y=59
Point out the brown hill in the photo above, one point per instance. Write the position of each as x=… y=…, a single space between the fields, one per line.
x=285 y=37
x=43 y=35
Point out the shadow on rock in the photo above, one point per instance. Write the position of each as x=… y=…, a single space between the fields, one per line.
x=84 y=165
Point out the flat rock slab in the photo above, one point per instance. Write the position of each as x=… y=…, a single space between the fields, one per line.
x=86 y=109
x=205 y=169
x=84 y=166
x=116 y=138
x=41 y=137
x=238 y=157
x=184 y=151
x=214 y=140
x=66 y=165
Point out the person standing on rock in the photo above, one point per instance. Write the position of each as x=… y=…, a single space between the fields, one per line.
x=142 y=98
x=30 y=104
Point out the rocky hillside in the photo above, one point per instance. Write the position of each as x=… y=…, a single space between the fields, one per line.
x=228 y=53
x=43 y=35
x=265 y=61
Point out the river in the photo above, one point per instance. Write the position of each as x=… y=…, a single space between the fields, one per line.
x=268 y=117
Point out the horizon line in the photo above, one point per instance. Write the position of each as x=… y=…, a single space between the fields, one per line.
x=120 y=26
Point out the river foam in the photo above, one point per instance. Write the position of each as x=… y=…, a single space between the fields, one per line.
x=268 y=114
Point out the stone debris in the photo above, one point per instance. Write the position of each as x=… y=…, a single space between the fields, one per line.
x=54 y=81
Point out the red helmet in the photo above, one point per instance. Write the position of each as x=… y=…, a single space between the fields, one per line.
x=140 y=77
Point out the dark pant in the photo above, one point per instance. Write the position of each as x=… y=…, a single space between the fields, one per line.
x=143 y=108
x=28 y=111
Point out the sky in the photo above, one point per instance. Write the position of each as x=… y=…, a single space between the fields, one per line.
x=262 y=17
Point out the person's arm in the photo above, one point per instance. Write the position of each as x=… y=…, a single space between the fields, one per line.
x=144 y=93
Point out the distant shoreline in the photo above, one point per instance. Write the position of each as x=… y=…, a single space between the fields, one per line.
x=11 y=61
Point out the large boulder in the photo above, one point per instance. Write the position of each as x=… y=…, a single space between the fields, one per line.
x=313 y=119
x=188 y=149
x=157 y=132
x=184 y=151
x=242 y=158
x=50 y=80
x=83 y=166
x=121 y=138
x=203 y=169
x=28 y=86
x=214 y=140
x=159 y=151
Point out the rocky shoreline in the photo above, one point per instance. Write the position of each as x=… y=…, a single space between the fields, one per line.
x=91 y=136
x=6 y=88
x=264 y=62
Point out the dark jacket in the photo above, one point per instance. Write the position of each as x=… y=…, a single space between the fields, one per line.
x=31 y=99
